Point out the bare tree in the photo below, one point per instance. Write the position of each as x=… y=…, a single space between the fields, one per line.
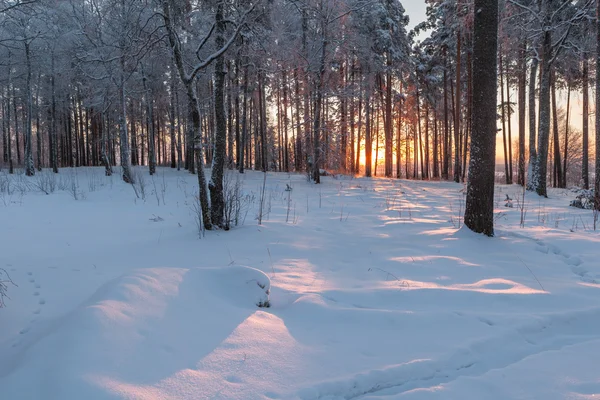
x=171 y=12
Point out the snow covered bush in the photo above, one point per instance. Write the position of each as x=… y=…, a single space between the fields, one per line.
x=5 y=184
x=584 y=199
x=45 y=182
x=139 y=184
x=236 y=203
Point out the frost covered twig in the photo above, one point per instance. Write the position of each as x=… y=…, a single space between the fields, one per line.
x=531 y=272
x=4 y=280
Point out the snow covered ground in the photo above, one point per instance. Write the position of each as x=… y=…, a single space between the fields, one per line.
x=376 y=292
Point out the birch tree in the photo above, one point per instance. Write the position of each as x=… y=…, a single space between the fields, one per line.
x=175 y=24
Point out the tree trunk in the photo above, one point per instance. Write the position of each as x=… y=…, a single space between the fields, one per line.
x=244 y=133
x=358 y=131
x=29 y=165
x=389 y=127
x=399 y=141
x=172 y=123
x=522 y=86
x=446 y=146
x=566 y=153
x=508 y=117
x=38 y=134
x=299 y=153
x=544 y=124
x=230 y=130
x=457 y=141
x=585 y=174
x=217 y=200
x=150 y=129
x=533 y=166
x=469 y=127
x=426 y=174
x=17 y=134
x=318 y=103
x=352 y=125
x=5 y=127
x=479 y=212
x=8 y=110
x=123 y=135
x=262 y=106
x=368 y=138
x=597 y=116
x=503 y=116
x=286 y=155
x=557 y=162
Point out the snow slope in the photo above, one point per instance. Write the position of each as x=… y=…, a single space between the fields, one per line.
x=376 y=292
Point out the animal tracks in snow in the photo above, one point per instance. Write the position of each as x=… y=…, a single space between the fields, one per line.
x=574 y=262
x=552 y=332
x=40 y=302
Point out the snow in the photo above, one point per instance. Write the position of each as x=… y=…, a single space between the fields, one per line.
x=376 y=290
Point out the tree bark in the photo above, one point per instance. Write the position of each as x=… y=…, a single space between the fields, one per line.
x=29 y=165
x=457 y=141
x=503 y=116
x=389 y=127
x=597 y=116
x=533 y=167
x=566 y=153
x=172 y=123
x=446 y=146
x=368 y=138
x=557 y=162
x=150 y=130
x=508 y=116
x=585 y=174
x=544 y=124
x=244 y=132
x=215 y=186
x=522 y=87
x=479 y=212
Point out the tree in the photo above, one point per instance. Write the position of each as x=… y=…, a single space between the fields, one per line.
x=597 y=117
x=479 y=212
x=23 y=23
x=115 y=37
x=212 y=215
x=553 y=23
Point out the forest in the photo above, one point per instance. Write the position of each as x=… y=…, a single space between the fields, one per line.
x=299 y=199
x=292 y=85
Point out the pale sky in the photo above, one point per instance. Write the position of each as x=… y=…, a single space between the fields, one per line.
x=415 y=9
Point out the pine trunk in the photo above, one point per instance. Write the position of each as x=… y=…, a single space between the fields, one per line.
x=522 y=87
x=557 y=162
x=585 y=174
x=544 y=125
x=479 y=212
x=533 y=167
x=597 y=116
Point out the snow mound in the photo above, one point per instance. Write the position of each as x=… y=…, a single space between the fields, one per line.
x=169 y=318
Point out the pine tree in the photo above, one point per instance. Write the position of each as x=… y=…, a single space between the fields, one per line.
x=479 y=212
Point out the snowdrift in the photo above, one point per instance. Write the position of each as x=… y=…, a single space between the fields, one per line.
x=164 y=317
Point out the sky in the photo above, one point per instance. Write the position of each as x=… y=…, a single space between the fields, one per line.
x=415 y=9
